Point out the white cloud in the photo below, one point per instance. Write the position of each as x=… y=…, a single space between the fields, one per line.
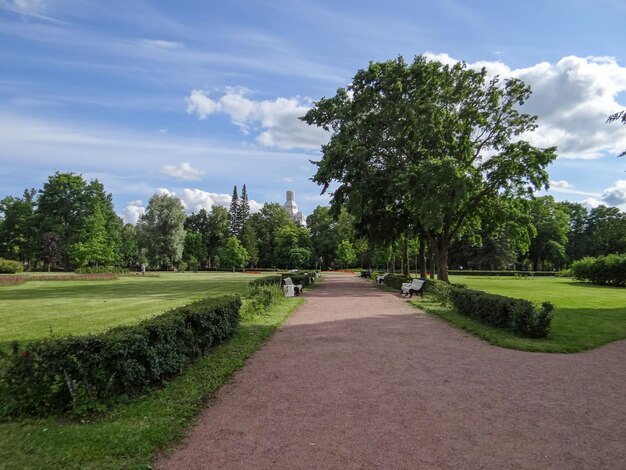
x=183 y=171
x=133 y=211
x=573 y=98
x=277 y=120
x=591 y=203
x=161 y=44
x=195 y=199
x=615 y=195
x=563 y=186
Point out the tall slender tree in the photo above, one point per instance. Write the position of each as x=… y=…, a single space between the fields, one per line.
x=243 y=211
x=233 y=213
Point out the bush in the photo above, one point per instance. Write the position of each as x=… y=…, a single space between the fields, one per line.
x=395 y=280
x=101 y=270
x=439 y=290
x=80 y=373
x=477 y=272
x=503 y=312
x=265 y=281
x=300 y=277
x=607 y=270
x=260 y=298
x=9 y=266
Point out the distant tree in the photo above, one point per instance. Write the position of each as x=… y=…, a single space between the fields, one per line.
x=243 y=211
x=233 y=254
x=620 y=116
x=323 y=240
x=552 y=225
x=49 y=249
x=346 y=253
x=606 y=229
x=266 y=223
x=233 y=213
x=129 y=255
x=249 y=242
x=425 y=147
x=578 y=243
x=161 y=230
x=218 y=227
x=195 y=249
x=200 y=224
x=293 y=247
x=17 y=233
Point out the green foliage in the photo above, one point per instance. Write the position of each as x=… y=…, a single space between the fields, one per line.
x=477 y=272
x=8 y=266
x=233 y=254
x=99 y=270
x=17 y=233
x=267 y=223
x=394 y=281
x=439 y=290
x=260 y=298
x=346 y=253
x=292 y=247
x=426 y=147
x=552 y=225
x=518 y=315
x=83 y=372
x=265 y=281
x=301 y=277
x=161 y=230
x=607 y=270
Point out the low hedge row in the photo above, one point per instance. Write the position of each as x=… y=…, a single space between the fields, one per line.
x=265 y=281
x=9 y=266
x=395 y=280
x=472 y=272
x=304 y=278
x=607 y=270
x=503 y=312
x=80 y=373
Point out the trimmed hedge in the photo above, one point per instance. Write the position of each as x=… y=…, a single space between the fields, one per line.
x=395 y=280
x=81 y=373
x=503 y=312
x=9 y=266
x=265 y=281
x=472 y=272
x=300 y=277
x=607 y=270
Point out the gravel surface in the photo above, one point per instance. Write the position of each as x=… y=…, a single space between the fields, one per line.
x=357 y=378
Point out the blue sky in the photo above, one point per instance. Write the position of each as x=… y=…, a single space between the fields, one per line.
x=194 y=97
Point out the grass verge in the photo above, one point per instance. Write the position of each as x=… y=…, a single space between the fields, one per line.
x=585 y=316
x=131 y=434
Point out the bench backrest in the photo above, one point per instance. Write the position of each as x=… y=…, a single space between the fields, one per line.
x=288 y=281
x=417 y=284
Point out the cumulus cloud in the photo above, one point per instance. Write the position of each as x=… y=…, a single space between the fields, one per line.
x=615 y=195
x=573 y=98
x=276 y=121
x=183 y=171
x=591 y=203
x=195 y=199
x=563 y=186
x=132 y=212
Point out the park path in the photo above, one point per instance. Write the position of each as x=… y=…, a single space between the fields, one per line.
x=357 y=378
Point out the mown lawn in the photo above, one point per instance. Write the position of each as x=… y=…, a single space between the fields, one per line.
x=130 y=435
x=585 y=316
x=39 y=309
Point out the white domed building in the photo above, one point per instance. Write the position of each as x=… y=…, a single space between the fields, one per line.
x=292 y=209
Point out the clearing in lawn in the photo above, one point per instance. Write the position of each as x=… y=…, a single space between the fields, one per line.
x=585 y=316
x=38 y=309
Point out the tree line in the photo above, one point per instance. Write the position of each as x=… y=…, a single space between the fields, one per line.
x=71 y=224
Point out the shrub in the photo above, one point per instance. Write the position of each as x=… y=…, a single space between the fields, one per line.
x=80 y=373
x=9 y=266
x=260 y=298
x=265 y=280
x=439 y=290
x=300 y=277
x=478 y=272
x=503 y=312
x=101 y=270
x=607 y=270
x=395 y=280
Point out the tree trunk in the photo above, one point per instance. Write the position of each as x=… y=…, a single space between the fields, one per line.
x=442 y=259
x=432 y=251
x=405 y=255
x=422 y=257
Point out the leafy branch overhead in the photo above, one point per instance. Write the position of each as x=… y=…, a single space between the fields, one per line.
x=620 y=116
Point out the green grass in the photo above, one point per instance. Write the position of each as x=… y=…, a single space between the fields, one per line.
x=585 y=316
x=130 y=435
x=38 y=309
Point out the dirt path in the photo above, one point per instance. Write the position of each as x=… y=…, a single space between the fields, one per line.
x=359 y=379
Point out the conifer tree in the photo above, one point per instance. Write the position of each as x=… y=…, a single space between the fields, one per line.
x=243 y=209
x=233 y=212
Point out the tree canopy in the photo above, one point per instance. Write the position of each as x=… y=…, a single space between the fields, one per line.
x=427 y=147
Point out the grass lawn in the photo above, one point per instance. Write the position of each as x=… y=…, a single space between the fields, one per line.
x=585 y=316
x=38 y=309
x=130 y=435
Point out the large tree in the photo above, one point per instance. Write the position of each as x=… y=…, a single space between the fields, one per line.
x=266 y=223
x=606 y=229
x=17 y=233
x=552 y=225
x=427 y=146
x=218 y=227
x=161 y=230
